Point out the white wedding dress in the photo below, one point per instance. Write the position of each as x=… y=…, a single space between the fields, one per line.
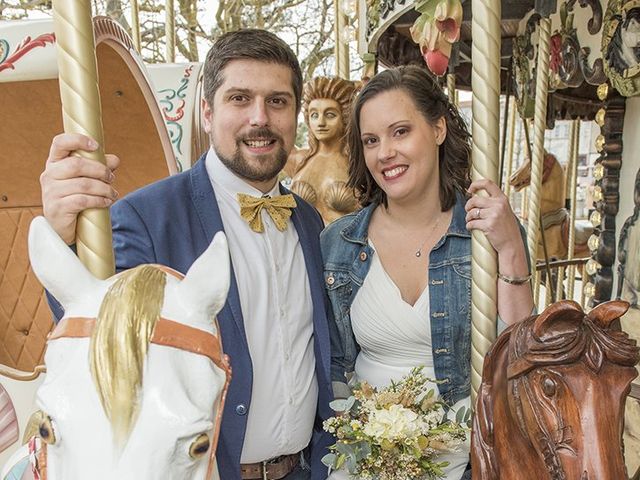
x=395 y=337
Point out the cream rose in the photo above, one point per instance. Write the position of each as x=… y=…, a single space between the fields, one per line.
x=394 y=423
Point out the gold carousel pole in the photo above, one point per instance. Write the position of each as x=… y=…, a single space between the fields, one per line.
x=341 y=48
x=451 y=88
x=170 y=31
x=527 y=125
x=540 y=120
x=569 y=193
x=511 y=140
x=573 y=181
x=135 y=25
x=81 y=113
x=485 y=82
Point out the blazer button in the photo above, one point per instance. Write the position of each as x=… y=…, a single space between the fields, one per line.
x=241 y=409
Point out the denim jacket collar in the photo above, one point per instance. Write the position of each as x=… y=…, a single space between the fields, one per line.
x=357 y=230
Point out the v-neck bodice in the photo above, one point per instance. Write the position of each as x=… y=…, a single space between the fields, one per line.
x=390 y=331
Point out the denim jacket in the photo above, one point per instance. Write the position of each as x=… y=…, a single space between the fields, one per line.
x=347 y=258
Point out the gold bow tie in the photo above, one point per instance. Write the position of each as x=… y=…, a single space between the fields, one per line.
x=278 y=208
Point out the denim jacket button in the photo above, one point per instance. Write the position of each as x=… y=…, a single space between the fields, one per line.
x=363 y=256
x=330 y=280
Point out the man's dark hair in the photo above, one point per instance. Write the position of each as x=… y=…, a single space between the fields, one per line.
x=433 y=104
x=248 y=44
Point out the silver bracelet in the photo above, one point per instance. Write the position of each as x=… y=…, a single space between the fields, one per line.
x=514 y=280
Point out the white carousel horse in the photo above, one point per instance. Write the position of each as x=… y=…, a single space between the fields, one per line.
x=136 y=377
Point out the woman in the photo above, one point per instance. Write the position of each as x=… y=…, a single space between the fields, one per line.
x=398 y=272
x=320 y=173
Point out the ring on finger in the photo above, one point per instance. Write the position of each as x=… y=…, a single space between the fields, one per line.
x=477 y=213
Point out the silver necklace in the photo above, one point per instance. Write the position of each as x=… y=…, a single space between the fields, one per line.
x=433 y=229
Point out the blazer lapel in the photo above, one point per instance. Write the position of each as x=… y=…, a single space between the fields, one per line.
x=206 y=205
x=311 y=251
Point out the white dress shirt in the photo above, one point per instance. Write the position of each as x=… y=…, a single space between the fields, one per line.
x=277 y=309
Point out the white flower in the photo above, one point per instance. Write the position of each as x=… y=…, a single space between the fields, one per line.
x=394 y=423
x=432 y=419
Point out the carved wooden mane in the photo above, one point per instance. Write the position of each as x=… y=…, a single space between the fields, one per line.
x=531 y=414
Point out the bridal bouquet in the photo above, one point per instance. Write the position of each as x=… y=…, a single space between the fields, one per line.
x=395 y=433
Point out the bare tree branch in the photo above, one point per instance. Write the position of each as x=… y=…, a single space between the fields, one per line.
x=303 y=24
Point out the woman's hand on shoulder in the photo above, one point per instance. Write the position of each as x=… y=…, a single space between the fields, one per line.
x=492 y=215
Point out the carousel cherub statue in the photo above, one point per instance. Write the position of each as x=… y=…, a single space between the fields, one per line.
x=319 y=173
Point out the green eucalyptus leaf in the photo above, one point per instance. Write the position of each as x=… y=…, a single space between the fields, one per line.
x=352 y=465
x=342 y=404
x=329 y=460
x=460 y=415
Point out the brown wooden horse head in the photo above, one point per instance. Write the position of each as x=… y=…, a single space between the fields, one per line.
x=551 y=402
x=521 y=178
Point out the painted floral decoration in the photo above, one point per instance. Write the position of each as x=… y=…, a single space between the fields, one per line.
x=555 y=52
x=436 y=30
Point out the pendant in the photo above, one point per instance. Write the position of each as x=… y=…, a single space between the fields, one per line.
x=418 y=253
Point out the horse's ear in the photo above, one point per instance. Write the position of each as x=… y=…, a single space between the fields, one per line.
x=561 y=314
x=206 y=284
x=56 y=266
x=607 y=312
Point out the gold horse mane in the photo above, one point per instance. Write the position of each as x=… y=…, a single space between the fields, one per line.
x=119 y=344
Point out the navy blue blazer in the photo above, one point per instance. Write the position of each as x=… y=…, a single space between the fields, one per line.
x=172 y=222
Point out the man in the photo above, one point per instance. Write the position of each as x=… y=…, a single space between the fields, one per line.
x=274 y=325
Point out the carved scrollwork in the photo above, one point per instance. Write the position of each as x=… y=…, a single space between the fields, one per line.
x=595 y=22
x=569 y=72
x=524 y=68
x=388 y=6
x=592 y=75
x=621 y=47
x=373 y=16
x=628 y=270
x=564 y=62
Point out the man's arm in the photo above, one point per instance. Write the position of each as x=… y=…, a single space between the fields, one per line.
x=71 y=184
x=132 y=243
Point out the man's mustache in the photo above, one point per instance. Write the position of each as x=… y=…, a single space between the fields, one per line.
x=259 y=134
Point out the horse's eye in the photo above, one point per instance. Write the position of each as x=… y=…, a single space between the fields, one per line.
x=200 y=446
x=549 y=386
x=45 y=429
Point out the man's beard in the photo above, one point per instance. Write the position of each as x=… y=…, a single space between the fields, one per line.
x=268 y=166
